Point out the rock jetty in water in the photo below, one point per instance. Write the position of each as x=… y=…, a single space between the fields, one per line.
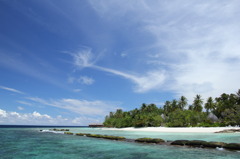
x=229 y=131
x=206 y=144
x=189 y=143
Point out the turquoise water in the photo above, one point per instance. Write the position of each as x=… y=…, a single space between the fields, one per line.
x=24 y=143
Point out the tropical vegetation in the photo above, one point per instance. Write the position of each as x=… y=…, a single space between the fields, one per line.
x=221 y=111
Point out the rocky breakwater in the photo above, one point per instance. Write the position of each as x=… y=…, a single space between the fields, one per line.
x=188 y=143
x=206 y=144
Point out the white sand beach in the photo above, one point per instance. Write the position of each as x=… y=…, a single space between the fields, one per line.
x=175 y=129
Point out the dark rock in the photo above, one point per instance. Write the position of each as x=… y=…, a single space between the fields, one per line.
x=68 y=133
x=214 y=144
x=94 y=135
x=81 y=134
x=114 y=137
x=106 y=137
x=196 y=143
x=179 y=142
x=150 y=140
x=232 y=146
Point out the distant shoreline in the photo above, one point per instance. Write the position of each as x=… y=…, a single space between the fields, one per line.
x=175 y=129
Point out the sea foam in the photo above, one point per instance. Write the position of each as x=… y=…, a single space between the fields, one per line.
x=51 y=131
x=220 y=148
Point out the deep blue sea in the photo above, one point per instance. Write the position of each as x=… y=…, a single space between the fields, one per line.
x=29 y=142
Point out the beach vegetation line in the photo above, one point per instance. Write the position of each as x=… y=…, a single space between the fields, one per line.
x=220 y=111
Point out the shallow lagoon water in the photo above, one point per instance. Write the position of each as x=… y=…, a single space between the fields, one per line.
x=22 y=143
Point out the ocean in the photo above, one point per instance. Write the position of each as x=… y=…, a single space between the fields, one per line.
x=28 y=142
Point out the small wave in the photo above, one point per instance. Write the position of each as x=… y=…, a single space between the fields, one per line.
x=51 y=131
x=220 y=148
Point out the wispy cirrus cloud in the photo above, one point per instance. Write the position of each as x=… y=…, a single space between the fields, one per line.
x=11 y=90
x=143 y=83
x=24 y=103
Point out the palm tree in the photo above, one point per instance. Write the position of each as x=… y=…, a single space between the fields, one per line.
x=111 y=114
x=143 y=107
x=174 y=104
x=182 y=103
x=190 y=107
x=152 y=108
x=209 y=105
x=238 y=96
x=197 y=103
x=167 y=107
x=119 y=113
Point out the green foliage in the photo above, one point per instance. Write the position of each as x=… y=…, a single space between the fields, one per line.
x=217 y=124
x=147 y=115
x=185 y=118
x=225 y=110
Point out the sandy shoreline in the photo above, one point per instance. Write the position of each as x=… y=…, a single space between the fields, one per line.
x=175 y=130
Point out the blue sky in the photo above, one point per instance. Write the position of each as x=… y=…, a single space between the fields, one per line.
x=71 y=62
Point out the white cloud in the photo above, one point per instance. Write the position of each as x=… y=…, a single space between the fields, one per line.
x=11 y=89
x=82 y=107
x=86 y=80
x=21 y=118
x=196 y=42
x=14 y=114
x=83 y=58
x=82 y=80
x=3 y=113
x=36 y=118
x=38 y=115
x=151 y=80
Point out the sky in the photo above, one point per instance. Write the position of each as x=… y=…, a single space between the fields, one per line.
x=72 y=62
